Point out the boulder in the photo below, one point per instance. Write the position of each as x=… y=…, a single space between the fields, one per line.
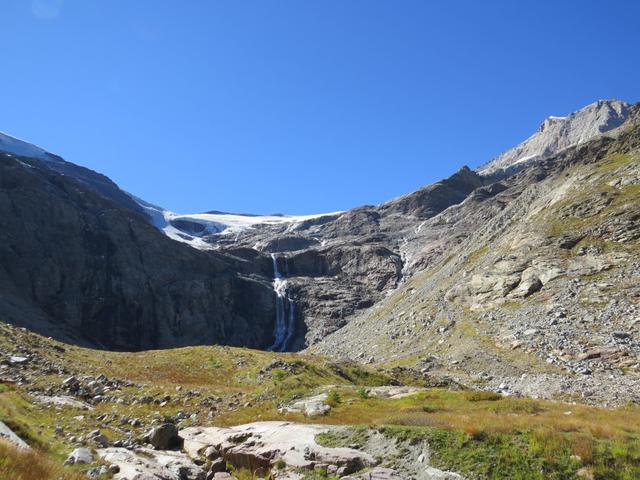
x=165 y=437
x=310 y=406
x=217 y=466
x=79 y=456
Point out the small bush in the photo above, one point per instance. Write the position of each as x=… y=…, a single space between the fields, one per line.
x=479 y=396
x=215 y=363
x=429 y=409
x=333 y=399
x=363 y=393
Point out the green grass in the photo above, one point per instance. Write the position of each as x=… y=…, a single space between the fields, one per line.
x=483 y=435
x=526 y=455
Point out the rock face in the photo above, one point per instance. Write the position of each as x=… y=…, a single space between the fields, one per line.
x=76 y=265
x=339 y=265
x=79 y=260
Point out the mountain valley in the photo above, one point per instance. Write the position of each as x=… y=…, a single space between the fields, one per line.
x=464 y=330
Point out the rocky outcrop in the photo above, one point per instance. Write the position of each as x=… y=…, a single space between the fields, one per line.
x=145 y=463
x=9 y=435
x=558 y=133
x=429 y=201
x=258 y=446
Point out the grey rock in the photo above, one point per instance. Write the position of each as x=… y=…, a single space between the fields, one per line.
x=165 y=437
x=79 y=456
x=10 y=436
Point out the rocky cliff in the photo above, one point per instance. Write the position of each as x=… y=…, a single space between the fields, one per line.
x=77 y=263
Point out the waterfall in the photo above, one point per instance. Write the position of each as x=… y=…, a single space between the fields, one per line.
x=285 y=311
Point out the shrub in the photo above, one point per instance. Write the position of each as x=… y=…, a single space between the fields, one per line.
x=333 y=399
x=479 y=396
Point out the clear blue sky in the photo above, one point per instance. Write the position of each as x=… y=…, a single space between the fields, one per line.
x=301 y=106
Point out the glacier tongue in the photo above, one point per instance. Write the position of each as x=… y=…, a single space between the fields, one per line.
x=175 y=225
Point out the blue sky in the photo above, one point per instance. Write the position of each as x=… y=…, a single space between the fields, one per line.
x=301 y=106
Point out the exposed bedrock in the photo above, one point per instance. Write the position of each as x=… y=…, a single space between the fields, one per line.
x=75 y=265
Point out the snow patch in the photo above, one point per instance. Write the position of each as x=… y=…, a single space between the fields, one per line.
x=20 y=148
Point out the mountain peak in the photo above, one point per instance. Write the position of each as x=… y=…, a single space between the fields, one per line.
x=557 y=133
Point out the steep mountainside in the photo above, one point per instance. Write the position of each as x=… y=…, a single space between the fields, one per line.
x=76 y=264
x=530 y=285
x=279 y=281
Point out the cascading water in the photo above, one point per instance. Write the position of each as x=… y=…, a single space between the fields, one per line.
x=285 y=324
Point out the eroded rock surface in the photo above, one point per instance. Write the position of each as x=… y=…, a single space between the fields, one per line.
x=145 y=463
x=259 y=445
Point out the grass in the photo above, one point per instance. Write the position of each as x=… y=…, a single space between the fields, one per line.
x=558 y=221
x=16 y=464
x=525 y=455
x=479 y=434
x=487 y=436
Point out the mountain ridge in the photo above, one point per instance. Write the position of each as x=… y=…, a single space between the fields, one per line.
x=336 y=266
x=558 y=133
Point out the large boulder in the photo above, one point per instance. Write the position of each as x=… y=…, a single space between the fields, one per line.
x=165 y=437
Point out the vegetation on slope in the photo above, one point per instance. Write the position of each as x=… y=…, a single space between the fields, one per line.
x=479 y=434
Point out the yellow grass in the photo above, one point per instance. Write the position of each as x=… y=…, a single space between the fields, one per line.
x=17 y=464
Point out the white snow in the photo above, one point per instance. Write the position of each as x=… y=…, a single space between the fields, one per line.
x=215 y=223
x=15 y=146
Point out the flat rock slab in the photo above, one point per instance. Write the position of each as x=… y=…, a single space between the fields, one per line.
x=393 y=392
x=145 y=463
x=8 y=435
x=62 y=401
x=310 y=406
x=258 y=445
